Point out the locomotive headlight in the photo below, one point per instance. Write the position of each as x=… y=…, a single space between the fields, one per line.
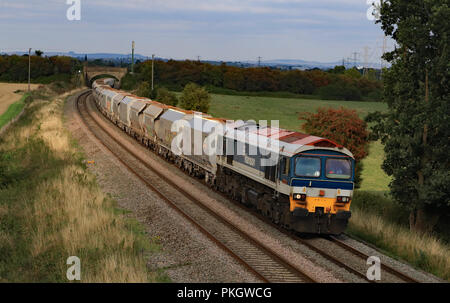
x=299 y=197
x=343 y=199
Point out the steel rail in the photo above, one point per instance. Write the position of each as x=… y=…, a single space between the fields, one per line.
x=364 y=256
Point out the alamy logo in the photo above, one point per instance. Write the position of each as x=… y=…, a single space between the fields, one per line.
x=73 y=272
x=202 y=137
x=374 y=11
x=74 y=11
x=374 y=271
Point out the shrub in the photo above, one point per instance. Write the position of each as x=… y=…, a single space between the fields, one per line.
x=130 y=81
x=380 y=204
x=166 y=97
x=342 y=126
x=144 y=90
x=195 y=98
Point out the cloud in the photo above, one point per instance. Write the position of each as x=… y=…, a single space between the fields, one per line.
x=245 y=27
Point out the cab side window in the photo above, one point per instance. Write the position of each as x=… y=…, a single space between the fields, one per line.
x=284 y=166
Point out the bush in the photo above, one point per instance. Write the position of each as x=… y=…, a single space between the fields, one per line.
x=195 y=98
x=166 y=97
x=375 y=95
x=144 y=90
x=340 y=91
x=382 y=205
x=61 y=87
x=342 y=126
x=53 y=78
x=130 y=81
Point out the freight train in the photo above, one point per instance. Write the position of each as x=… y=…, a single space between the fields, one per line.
x=301 y=182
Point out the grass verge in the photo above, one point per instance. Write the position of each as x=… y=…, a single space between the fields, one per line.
x=13 y=110
x=51 y=208
x=373 y=176
x=380 y=221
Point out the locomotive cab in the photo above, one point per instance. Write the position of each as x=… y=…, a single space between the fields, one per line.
x=321 y=189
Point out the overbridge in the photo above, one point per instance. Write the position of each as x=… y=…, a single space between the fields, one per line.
x=92 y=72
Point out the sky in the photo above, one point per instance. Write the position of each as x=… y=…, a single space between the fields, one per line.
x=229 y=30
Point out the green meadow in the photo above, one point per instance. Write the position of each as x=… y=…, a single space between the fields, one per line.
x=286 y=110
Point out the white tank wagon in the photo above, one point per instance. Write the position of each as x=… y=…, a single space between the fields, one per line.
x=124 y=110
x=163 y=127
x=137 y=117
x=151 y=114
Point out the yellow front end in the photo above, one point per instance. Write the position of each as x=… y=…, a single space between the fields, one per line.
x=329 y=204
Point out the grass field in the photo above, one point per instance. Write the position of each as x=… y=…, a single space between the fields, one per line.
x=373 y=177
x=13 y=110
x=284 y=109
x=8 y=95
x=11 y=101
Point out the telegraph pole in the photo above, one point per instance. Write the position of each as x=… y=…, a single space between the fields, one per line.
x=259 y=61
x=29 y=68
x=132 y=57
x=153 y=68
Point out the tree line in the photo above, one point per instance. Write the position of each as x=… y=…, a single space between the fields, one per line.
x=336 y=84
x=14 y=68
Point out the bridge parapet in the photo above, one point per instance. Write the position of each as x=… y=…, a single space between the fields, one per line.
x=91 y=72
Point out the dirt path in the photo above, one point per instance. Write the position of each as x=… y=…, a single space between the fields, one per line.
x=7 y=95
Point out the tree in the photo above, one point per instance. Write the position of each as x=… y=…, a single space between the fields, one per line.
x=416 y=129
x=195 y=98
x=338 y=69
x=295 y=81
x=353 y=73
x=234 y=79
x=38 y=53
x=166 y=97
x=342 y=126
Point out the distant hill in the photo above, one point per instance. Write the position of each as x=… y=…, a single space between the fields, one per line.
x=303 y=64
x=280 y=63
x=90 y=56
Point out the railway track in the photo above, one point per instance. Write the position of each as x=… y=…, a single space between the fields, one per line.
x=333 y=242
x=363 y=256
x=266 y=264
